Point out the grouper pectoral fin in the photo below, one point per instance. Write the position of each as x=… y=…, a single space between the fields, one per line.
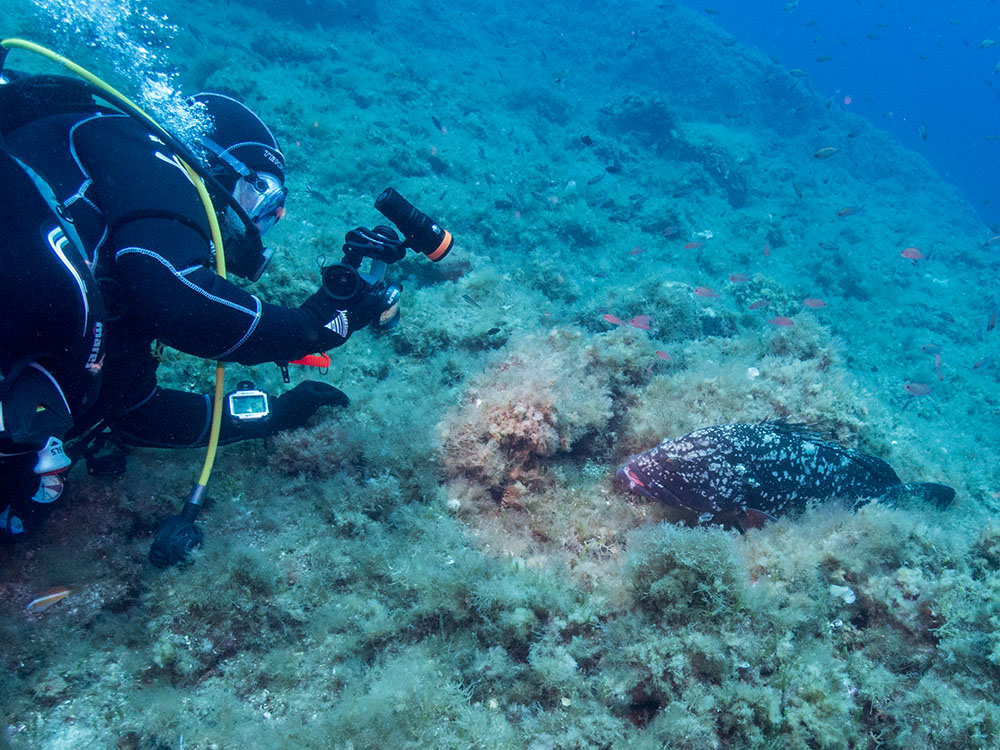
x=941 y=495
x=742 y=519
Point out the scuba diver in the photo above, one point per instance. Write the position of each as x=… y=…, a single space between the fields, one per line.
x=105 y=247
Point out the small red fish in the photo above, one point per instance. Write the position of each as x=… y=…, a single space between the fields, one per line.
x=781 y=320
x=641 y=322
x=704 y=291
x=671 y=230
x=991 y=323
x=636 y=251
x=937 y=367
x=694 y=245
x=759 y=304
x=738 y=278
x=814 y=303
x=983 y=362
x=917 y=389
x=614 y=319
x=664 y=356
x=912 y=253
x=767 y=250
x=848 y=210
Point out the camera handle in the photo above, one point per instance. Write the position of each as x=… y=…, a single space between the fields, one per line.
x=375 y=272
x=382 y=245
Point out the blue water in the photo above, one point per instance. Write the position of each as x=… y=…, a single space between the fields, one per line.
x=916 y=69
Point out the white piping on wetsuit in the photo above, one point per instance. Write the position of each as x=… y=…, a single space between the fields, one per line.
x=254 y=314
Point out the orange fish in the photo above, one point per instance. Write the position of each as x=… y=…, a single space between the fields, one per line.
x=825 y=153
x=694 y=245
x=738 y=278
x=912 y=253
x=781 y=320
x=704 y=291
x=614 y=319
x=814 y=303
x=642 y=322
x=663 y=355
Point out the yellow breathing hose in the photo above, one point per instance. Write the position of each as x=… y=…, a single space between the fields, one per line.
x=220 y=257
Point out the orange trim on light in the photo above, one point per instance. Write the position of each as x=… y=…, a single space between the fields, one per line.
x=443 y=248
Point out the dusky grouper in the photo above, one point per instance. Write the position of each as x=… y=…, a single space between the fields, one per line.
x=743 y=474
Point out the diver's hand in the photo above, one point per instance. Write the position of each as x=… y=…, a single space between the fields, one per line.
x=293 y=408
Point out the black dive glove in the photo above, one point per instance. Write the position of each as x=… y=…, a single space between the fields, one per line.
x=346 y=303
x=293 y=408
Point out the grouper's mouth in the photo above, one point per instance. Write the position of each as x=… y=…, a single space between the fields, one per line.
x=639 y=484
x=627 y=475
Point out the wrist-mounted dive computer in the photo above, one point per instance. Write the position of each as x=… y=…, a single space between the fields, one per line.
x=247 y=403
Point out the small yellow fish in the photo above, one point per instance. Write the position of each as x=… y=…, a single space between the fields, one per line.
x=46 y=599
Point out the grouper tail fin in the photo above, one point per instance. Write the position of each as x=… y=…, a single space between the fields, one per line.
x=941 y=495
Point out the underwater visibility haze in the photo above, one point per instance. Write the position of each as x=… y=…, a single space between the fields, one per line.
x=926 y=72
x=666 y=218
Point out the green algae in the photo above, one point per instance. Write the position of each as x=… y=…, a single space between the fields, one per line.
x=418 y=571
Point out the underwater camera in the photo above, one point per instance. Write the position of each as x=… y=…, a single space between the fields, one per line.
x=381 y=245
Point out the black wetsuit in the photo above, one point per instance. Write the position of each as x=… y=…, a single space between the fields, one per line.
x=144 y=229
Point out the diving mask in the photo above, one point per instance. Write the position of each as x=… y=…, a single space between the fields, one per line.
x=262 y=196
